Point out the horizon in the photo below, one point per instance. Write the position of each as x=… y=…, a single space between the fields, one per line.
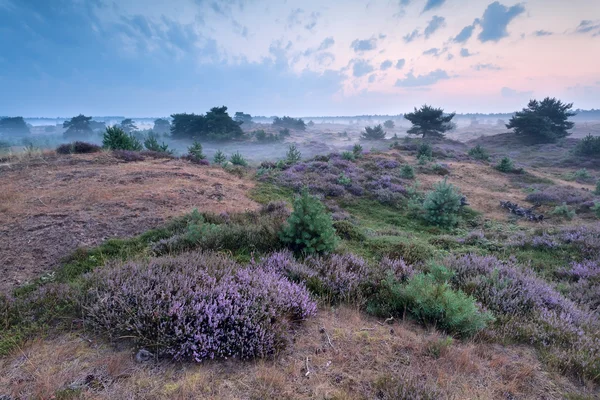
x=299 y=58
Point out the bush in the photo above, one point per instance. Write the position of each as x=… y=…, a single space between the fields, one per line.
x=597 y=189
x=197 y=306
x=285 y=132
x=581 y=175
x=563 y=211
x=263 y=136
x=389 y=124
x=348 y=156
x=425 y=151
x=219 y=157
x=309 y=229
x=479 y=153
x=375 y=133
x=293 y=155
x=151 y=143
x=195 y=151
x=429 y=121
x=357 y=150
x=215 y=125
x=348 y=231
x=429 y=299
x=407 y=172
x=344 y=180
x=290 y=123
x=442 y=205
x=589 y=146
x=115 y=138
x=78 y=148
x=505 y=165
x=237 y=159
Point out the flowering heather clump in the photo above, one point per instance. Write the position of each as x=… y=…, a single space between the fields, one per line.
x=558 y=195
x=388 y=164
x=583 y=284
x=197 y=306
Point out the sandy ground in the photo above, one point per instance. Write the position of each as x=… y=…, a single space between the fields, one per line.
x=52 y=205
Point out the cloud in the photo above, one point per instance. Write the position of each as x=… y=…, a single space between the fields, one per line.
x=372 y=78
x=495 y=20
x=411 y=36
x=512 y=93
x=400 y=64
x=325 y=59
x=465 y=53
x=432 y=52
x=587 y=26
x=422 y=80
x=326 y=43
x=450 y=56
x=542 y=33
x=361 y=68
x=364 y=45
x=490 y=67
x=312 y=21
x=431 y=4
x=385 y=65
x=382 y=36
x=295 y=17
x=464 y=35
x=433 y=25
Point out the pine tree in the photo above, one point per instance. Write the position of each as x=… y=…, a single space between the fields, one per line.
x=442 y=205
x=429 y=121
x=309 y=228
x=544 y=121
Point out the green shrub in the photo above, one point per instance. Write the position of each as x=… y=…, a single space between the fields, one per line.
x=151 y=143
x=195 y=150
x=219 y=157
x=285 y=132
x=348 y=231
x=293 y=155
x=506 y=165
x=479 y=153
x=357 y=150
x=442 y=205
x=579 y=175
x=375 y=133
x=344 y=180
x=597 y=189
x=115 y=138
x=596 y=209
x=563 y=211
x=237 y=159
x=438 y=346
x=425 y=150
x=588 y=146
x=348 y=155
x=422 y=160
x=407 y=172
x=309 y=228
x=429 y=299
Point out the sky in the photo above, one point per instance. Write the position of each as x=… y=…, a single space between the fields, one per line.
x=299 y=58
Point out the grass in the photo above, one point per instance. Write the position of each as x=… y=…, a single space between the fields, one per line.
x=265 y=193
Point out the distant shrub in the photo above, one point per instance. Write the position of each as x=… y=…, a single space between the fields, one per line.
x=263 y=136
x=216 y=124
x=290 y=123
x=357 y=150
x=425 y=150
x=285 y=132
x=507 y=165
x=293 y=155
x=597 y=189
x=151 y=143
x=195 y=151
x=556 y=195
x=581 y=175
x=375 y=133
x=128 y=155
x=589 y=146
x=348 y=155
x=389 y=124
x=407 y=172
x=344 y=180
x=479 y=153
x=78 y=148
x=197 y=306
x=309 y=229
x=219 y=157
x=442 y=205
x=115 y=138
x=429 y=299
x=237 y=159
x=563 y=211
x=440 y=169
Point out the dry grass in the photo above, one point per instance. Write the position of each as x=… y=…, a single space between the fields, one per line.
x=362 y=352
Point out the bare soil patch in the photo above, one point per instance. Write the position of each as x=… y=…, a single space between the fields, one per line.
x=52 y=205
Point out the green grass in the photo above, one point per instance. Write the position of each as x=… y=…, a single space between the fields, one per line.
x=264 y=193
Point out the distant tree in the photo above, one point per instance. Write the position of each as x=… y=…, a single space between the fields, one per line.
x=128 y=125
x=116 y=138
x=289 y=122
x=543 y=121
x=242 y=118
x=14 y=126
x=389 y=124
x=310 y=124
x=78 y=126
x=161 y=125
x=151 y=143
x=375 y=133
x=429 y=121
x=215 y=125
x=97 y=126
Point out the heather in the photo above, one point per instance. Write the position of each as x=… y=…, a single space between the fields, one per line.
x=196 y=306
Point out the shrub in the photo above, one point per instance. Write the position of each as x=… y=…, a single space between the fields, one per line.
x=442 y=205
x=375 y=133
x=429 y=299
x=151 y=143
x=563 y=211
x=429 y=121
x=581 y=175
x=290 y=123
x=237 y=159
x=348 y=155
x=285 y=132
x=407 y=172
x=215 y=125
x=479 y=153
x=357 y=150
x=344 y=180
x=115 y=138
x=293 y=155
x=597 y=189
x=195 y=151
x=425 y=150
x=506 y=165
x=78 y=148
x=559 y=194
x=309 y=229
x=589 y=146
x=219 y=157
x=128 y=155
x=196 y=306
x=348 y=231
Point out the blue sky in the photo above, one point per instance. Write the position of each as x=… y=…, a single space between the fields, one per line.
x=151 y=58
